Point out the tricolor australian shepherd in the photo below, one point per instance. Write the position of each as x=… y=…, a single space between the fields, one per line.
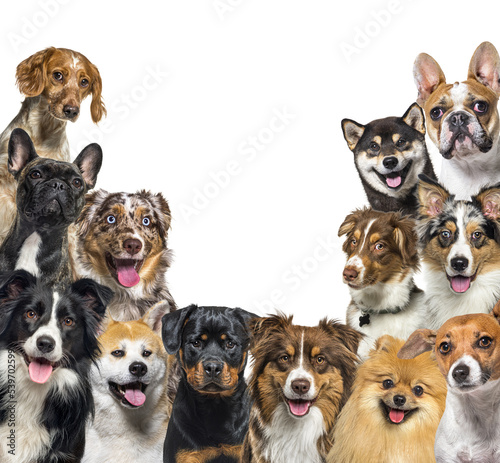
x=382 y=259
x=460 y=251
x=47 y=343
x=301 y=378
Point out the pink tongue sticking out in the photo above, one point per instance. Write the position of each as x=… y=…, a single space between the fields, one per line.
x=135 y=397
x=396 y=416
x=299 y=407
x=393 y=182
x=460 y=284
x=39 y=372
x=127 y=275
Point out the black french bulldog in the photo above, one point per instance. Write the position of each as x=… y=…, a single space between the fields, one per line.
x=50 y=196
x=211 y=410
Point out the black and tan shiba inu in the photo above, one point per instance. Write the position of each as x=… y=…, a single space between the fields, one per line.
x=389 y=155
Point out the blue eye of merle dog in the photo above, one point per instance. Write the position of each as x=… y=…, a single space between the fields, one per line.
x=146 y=221
x=111 y=219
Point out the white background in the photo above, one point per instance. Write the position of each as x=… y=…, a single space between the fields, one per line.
x=188 y=86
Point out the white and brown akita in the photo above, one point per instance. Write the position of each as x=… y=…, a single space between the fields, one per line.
x=129 y=384
x=389 y=155
x=122 y=243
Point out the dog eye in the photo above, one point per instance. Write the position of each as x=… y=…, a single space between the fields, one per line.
x=68 y=321
x=445 y=348
x=354 y=242
x=77 y=182
x=418 y=390
x=57 y=76
x=387 y=383
x=84 y=83
x=320 y=359
x=284 y=359
x=445 y=234
x=230 y=345
x=480 y=107
x=111 y=219
x=146 y=353
x=379 y=246
x=196 y=343
x=118 y=353
x=401 y=142
x=35 y=174
x=484 y=342
x=31 y=314
x=374 y=146
x=436 y=113
x=146 y=221
x=476 y=235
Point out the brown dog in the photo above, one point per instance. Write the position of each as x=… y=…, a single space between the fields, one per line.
x=301 y=378
x=55 y=81
x=468 y=354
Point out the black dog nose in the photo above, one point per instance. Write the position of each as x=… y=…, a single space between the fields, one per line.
x=138 y=369
x=458 y=119
x=71 y=111
x=460 y=373
x=213 y=369
x=399 y=400
x=459 y=264
x=132 y=246
x=301 y=386
x=390 y=162
x=58 y=185
x=45 y=344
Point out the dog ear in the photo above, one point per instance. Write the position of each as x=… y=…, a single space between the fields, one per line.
x=12 y=285
x=405 y=237
x=489 y=198
x=428 y=75
x=485 y=66
x=350 y=222
x=383 y=343
x=352 y=132
x=414 y=117
x=262 y=327
x=420 y=341
x=97 y=107
x=31 y=74
x=172 y=327
x=93 y=202
x=431 y=197
x=94 y=296
x=89 y=162
x=348 y=336
x=153 y=317
x=21 y=151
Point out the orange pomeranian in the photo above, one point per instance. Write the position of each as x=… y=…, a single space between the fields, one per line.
x=394 y=410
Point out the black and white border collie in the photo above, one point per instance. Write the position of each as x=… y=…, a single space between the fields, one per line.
x=48 y=341
x=460 y=243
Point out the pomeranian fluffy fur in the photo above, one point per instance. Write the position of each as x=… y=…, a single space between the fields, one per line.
x=365 y=432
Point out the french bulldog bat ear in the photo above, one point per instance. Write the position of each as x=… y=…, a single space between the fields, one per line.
x=431 y=197
x=172 y=328
x=414 y=117
x=94 y=296
x=428 y=75
x=485 y=66
x=352 y=132
x=89 y=162
x=420 y=341
x=21 y=151
x=153 y=317
x=489 y=198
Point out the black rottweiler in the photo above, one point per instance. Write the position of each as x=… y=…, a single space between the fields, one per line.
x=211 y=409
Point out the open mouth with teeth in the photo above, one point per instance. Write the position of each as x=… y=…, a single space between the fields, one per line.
x=460 y=283
x=396 y=415
x=125 y=271
x=396 y=179
x=39 y=368
x=131 y=394
x=299 y=407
